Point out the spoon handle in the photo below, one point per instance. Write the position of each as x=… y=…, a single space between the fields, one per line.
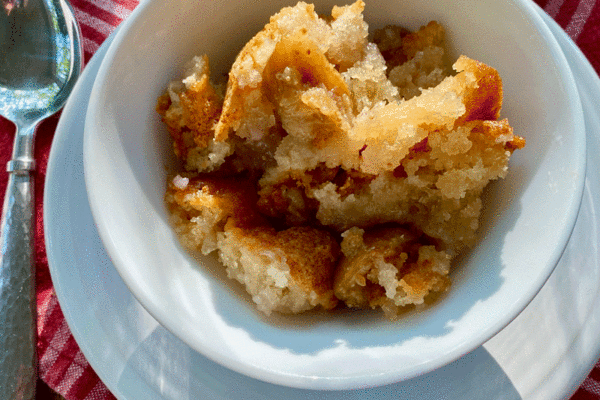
x=17 y=288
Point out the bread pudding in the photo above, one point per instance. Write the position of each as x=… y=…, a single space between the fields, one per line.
x=336 y=168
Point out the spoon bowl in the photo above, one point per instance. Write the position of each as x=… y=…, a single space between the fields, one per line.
x=41 y=64
x=40 y=48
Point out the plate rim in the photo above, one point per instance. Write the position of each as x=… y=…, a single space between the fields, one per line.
x=123 y=33
x=54 y=265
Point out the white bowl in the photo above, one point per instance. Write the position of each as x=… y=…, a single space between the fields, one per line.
x=529 y=216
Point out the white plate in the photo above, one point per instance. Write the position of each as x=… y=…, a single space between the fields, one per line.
x=545 y=353
x=525 y=225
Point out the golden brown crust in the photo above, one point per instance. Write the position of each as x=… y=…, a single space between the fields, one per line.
x=432 y=34
x=299 y=80
x=499 y=131
x=389 y=268
x=246 y=72
x=298 y=51
x=191 y=120
x=235 y=199
x=483 y=102
x=233 y=106
x=201 y=109
x=311 y=255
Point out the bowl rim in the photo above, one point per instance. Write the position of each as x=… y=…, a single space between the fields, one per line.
x=95 y=200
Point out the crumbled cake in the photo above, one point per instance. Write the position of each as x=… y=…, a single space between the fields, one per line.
x=289 y=270
x=336 y=168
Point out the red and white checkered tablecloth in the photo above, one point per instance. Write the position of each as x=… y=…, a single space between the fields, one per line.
x=62 y=365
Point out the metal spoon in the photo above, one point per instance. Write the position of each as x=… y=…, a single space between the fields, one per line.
x=40 y=60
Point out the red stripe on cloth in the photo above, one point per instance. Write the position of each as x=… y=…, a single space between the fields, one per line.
x=91 y=42
x=56 y=373
x=75 y=372
x=129 y=4
x=566 y=12
x=112 y=7
x=84 y=385
x=100 y=392
x=552 y=7
x=43 y=299
x=97 y=12
x=582 y=14
x=89 y=48
x=91 y=34
x=589 y=39
x=97 y=24
x=119 y=6
x=53 y=323
x=43 y=281
x=62 y=365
